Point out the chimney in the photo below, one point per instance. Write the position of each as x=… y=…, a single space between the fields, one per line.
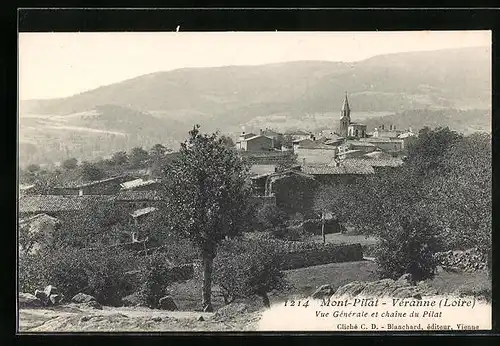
x=261 y=132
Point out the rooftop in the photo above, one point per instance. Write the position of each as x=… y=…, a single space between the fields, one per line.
x=77 y=184
x=360 y=143
x=142 y=211
x=130 y=195
x=298 y=132
x=344 y=168
x=254 y=137
x=58 y=203
x=137 y=183
x=262 y=169
x=24 y=187
x=37 y=217
x=378 y=162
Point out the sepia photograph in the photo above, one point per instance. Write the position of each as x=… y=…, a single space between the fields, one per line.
x=245 y=181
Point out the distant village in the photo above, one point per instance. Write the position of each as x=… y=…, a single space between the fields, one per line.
x=341 y=155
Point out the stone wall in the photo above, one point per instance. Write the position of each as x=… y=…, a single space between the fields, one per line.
x=468 y=260
x=326 y=254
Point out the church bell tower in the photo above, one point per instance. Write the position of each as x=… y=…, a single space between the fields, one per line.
x=345 y=117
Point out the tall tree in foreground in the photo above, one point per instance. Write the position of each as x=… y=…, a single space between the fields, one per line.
x=208 y=197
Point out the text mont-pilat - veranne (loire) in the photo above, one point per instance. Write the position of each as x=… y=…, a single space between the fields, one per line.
x=397 y=302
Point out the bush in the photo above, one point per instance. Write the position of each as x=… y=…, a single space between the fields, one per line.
x=245 y=269
x=269 y=216
x=290 y=233
x=153 y=279
x=409 y=248
x=100 y=273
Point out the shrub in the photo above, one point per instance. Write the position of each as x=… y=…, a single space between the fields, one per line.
x=245 y=269
x=98 y=272
x=270 y=216
x=154 y=279
x=409 y=248
x=290 y=233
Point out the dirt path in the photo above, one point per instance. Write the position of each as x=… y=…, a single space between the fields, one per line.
x=70 y=318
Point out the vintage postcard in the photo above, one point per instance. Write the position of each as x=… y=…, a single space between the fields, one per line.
x=254 y=181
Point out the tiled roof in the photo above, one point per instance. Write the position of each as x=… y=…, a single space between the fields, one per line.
x=58 y=203
x=381 y=140
x=37 y=217
x=24 y=187
x=360 y=143
x=255 y=137
x=262 y=169
x=142 y=211
x=298 y=132
x=76 y=184
x=377 y=162
x=344 y=168
x=308 y=144
x=137 y=183
x=129 y=195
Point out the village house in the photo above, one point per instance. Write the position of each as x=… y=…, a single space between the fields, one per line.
x=389 y=145
x=130 y=200
x=387 y=132
x=309 y=151
x=255 y=143
x=299 y=134
x=276 y=136
x=347 y=172
x=108 y=186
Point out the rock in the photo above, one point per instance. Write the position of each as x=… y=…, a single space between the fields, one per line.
x=167 y=303
x=323 y=291
x=156 y=319
x=405 y=279
x=201 y=319
x=232 y=309
x=82 y=298
x=85 y=318
x=56 y=299
x=404 y=292
x=91 y=304
x=378 y=288
x=27 y=300
x=351 y=289
x=131 y=300
x=42 y=296
x=50 y=290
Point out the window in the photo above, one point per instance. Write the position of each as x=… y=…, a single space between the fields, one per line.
x=356 y=133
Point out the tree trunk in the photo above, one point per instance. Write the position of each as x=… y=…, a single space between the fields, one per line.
x=265 y=299
x=323 y=227
x=206 y=296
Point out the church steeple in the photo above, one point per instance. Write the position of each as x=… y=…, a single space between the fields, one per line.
x=345 y=107
x=345 y=117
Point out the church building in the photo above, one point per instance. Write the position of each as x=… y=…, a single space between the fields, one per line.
x=347 y=128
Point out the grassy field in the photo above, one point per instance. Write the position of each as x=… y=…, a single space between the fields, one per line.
x=305 y=281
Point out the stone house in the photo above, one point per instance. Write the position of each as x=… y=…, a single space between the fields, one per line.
x=256 y=143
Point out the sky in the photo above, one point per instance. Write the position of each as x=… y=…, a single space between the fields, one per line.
x=55 y=65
